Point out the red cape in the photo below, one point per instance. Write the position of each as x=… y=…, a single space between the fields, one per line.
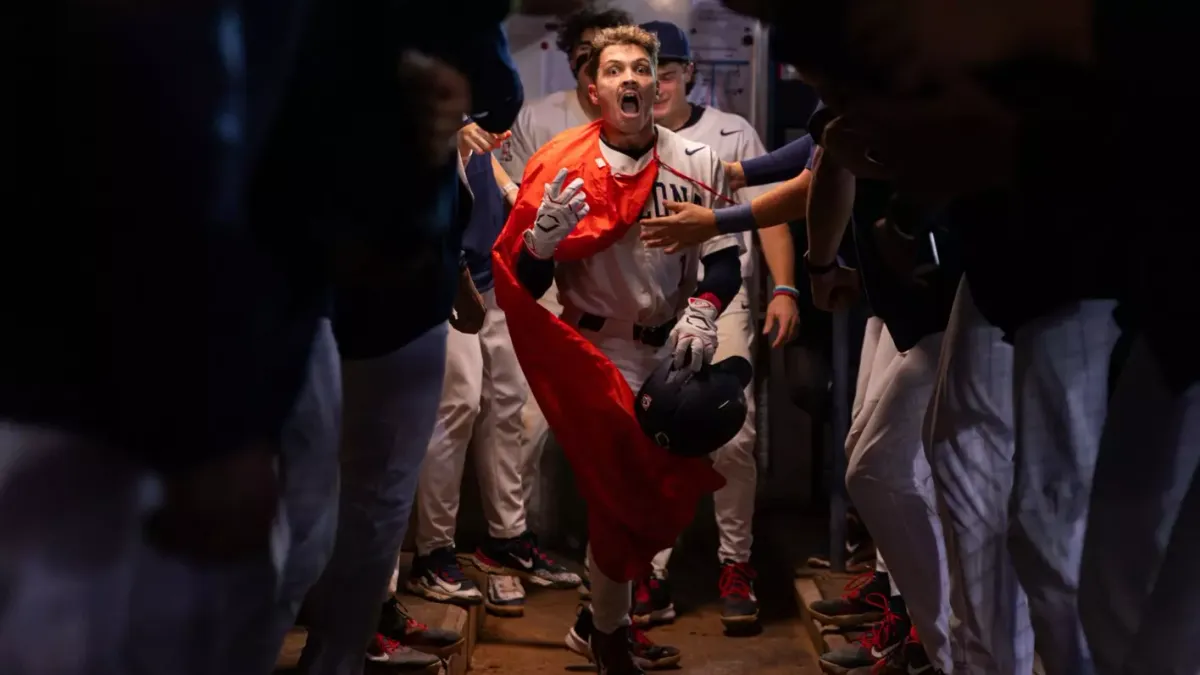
x=639 y=496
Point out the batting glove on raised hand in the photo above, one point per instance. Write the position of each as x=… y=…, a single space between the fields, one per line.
x=561 y=210
x=693 y=341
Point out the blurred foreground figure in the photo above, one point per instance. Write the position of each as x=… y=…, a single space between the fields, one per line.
x=1012 y=111
x=186 y=254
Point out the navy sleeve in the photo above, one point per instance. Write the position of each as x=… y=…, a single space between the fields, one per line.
x=722 y=275
x=732 y=219
x=534 y=274
x=779 y=165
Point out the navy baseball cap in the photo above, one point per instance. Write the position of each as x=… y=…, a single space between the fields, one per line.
x=673 y=43
x=697 y=414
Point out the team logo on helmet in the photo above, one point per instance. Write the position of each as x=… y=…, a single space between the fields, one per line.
x=662 y=439
x=646 y=401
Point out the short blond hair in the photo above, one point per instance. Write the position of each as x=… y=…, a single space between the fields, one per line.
x=621 y=35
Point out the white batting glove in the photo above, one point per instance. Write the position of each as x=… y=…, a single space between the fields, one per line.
x=561 y=210
x=693 y=340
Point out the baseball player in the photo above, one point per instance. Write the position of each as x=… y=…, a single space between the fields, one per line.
x=482 y=396
x=888 y=474
x=538 y=122
x=626 y=308
x=733 y=139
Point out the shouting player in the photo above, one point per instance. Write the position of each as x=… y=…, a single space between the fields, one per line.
x=733 y=139
x=626 y=309
x=538 y=122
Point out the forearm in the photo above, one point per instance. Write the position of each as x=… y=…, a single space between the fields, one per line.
x=830 y=205
x=722 y=278
x=780 y=254
x=504 y=182
x=785 y=203
x=780 y=165
x=534 y=274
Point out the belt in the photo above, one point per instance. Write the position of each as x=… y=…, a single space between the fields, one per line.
x=653 y=336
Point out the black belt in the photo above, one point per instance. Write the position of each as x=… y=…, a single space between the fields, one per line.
x=653 y=336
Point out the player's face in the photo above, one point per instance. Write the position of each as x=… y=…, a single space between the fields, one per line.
x=579 y=55
x=672 y=88
x=624 y=88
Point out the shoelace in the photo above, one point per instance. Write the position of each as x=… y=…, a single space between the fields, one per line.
x=854 y=587
x=641 y=592
x=529 y=543
x=445 y=565
x=411 y=625
x=736 y=579
x=387 y=644
x=881 y=634
x=640 y=638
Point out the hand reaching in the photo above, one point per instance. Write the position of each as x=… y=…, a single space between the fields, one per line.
x=689 y=224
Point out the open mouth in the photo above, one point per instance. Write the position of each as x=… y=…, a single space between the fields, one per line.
x=630 y=103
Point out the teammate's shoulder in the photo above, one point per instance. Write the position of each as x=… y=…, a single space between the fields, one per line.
x=671 y=142
x=728 y=123
x=549 y=102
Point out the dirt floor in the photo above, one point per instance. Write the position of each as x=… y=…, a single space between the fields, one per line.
x=534 y=644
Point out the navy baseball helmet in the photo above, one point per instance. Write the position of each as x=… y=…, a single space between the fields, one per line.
x=673 y=43
x=697 y=413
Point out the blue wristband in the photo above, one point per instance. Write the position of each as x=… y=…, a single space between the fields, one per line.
x=786 y=290
x=735 y=219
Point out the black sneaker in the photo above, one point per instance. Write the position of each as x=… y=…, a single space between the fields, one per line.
x=916 y=659
x=613 y=652
x=845 y=659
x=646 y=654
x=739 y=605
x=521 y=557
x=887 y=638
x=395 y=623
x=853 y=608
x=438 y=577
x=652 y=601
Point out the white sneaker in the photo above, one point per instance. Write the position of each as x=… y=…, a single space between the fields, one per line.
x=505 y=596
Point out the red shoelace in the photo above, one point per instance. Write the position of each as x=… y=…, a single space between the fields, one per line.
x=386 y=644
x=882 y=633
x=736 y=579
x=854 y=587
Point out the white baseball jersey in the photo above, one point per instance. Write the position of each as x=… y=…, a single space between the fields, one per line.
x=536 y=124
x=734 y=140
x=646 y=286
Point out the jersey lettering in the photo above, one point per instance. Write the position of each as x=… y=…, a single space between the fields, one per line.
x=678 y=193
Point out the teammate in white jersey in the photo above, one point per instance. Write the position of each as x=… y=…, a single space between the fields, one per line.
x=639 y=306
x=733 y=139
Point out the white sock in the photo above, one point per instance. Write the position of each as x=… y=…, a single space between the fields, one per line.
x=660 y=563
x=610 y=600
